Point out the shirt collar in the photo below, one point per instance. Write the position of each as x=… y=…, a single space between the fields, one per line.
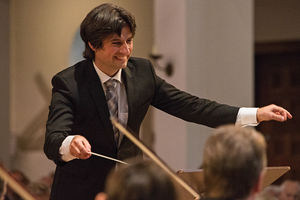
x=103 y=77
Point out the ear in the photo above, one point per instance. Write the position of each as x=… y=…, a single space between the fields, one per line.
x=258 y=186
x=91 y=46
x=101 y=196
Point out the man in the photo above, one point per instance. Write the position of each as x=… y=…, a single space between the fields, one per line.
x=290 y=190
x=139 y=181
x=111 y=83
x=233 y=163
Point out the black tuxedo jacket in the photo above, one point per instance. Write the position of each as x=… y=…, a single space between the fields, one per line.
x=78 y=106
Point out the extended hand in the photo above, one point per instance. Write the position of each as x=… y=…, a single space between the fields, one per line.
x=272 y=112
x=80 y=147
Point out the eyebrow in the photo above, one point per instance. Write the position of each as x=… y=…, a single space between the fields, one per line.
x=118 y=39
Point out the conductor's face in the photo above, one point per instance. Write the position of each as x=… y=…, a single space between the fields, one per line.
x=115 y=52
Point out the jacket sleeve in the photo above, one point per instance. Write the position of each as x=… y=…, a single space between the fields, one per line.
x=60 y=118
x=189 y=107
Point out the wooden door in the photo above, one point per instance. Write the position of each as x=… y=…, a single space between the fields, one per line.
x=277 y=80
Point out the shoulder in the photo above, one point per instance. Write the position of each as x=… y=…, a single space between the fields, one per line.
x=139 y=61
x=73 y=74
x=139 y=65
x=74 y=69
x=141 y=72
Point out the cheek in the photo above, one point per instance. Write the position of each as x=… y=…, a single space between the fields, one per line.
x=131 y=48
x=114 y=51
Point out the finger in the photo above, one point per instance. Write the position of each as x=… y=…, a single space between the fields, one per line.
x=78 y=142
x=289 y=115
x=74 y=151
x=86 y=156
x=87 y=145
x=78 y=148
x=84 y=149
x=277 y=117
x=283 y=112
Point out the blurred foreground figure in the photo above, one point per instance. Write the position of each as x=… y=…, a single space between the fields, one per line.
x=272 y=192
x=290 y=190
x=233 y=163
x=139 y=181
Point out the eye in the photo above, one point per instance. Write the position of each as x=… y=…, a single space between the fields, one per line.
x=117 y=43
x=129 y=41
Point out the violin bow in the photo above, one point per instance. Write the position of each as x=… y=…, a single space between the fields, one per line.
x=155 y=158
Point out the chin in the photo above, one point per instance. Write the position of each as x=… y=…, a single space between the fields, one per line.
x=124 y=65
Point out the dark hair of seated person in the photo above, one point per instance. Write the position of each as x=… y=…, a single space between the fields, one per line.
x=140 y=181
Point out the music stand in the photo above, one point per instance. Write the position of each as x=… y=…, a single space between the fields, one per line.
x=195 y=179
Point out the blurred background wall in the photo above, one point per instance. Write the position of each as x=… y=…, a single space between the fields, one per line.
x=277 y=20
x=5 y=135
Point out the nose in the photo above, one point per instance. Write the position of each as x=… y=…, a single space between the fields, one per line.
x=125 y=49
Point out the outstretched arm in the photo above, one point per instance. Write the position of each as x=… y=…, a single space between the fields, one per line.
x=272 y=112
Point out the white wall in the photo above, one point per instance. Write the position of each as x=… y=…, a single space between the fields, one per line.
x=219 y=59
x=170 y=40
x=211 y=45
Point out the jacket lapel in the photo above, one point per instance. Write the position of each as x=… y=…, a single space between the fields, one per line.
x=97 y=93
x=127 y=75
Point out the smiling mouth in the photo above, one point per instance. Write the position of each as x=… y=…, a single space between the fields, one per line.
x=122 y=58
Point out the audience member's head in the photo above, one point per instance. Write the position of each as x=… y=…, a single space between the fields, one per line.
x=20 y=177
x=290 y=190
x=139 y=181
x=39 y=190
x=233 y=163
x=272 y=192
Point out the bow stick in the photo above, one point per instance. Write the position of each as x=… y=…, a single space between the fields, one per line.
x=154 y=157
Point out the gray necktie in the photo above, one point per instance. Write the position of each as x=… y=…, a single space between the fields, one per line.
x=112 y=102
